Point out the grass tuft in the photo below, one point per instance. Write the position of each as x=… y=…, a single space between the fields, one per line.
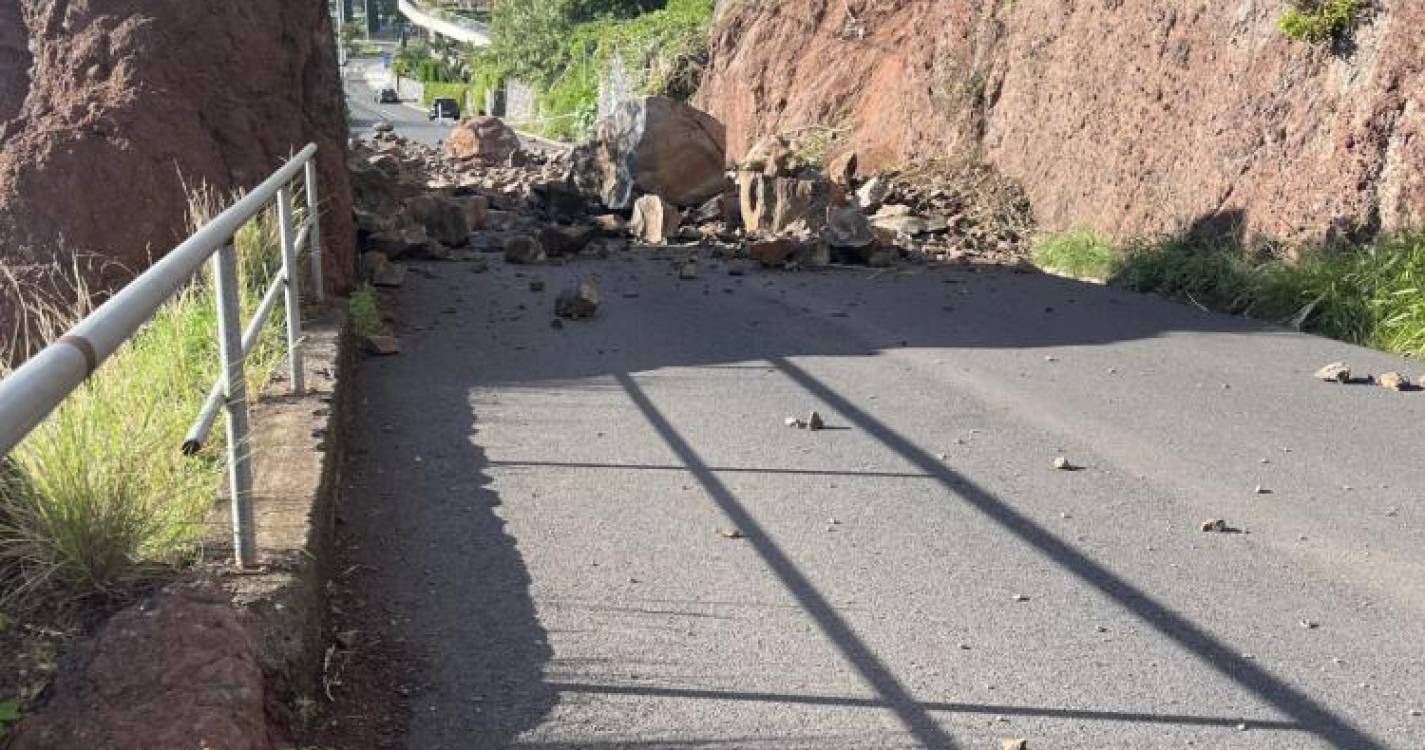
x=365 y=311
x=1081 y=253
x=1373 y=294
x=99 y=494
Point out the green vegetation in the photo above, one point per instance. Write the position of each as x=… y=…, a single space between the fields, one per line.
x=1319 y=20
x=562 y=48
x=425 y=64
x=1081 y=253
x=460 y=92
x=1372 y=295
x=9 y=714
x=365 y=311
x=99 y=494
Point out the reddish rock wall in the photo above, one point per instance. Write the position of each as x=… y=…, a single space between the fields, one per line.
x=1129 y=115
x=109 y=107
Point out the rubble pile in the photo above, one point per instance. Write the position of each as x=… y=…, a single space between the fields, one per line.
x=656 y=176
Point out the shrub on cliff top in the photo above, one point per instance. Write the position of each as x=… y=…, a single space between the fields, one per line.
x=563 y=48
x=1319 y=20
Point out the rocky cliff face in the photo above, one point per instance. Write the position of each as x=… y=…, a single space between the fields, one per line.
x=109 y=108
x=1130 y=116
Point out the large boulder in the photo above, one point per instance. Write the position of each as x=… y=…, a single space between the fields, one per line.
x=488 y=139
x=653 y=145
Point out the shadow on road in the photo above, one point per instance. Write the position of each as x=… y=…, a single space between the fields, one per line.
x=440 y=563
x=451 y=542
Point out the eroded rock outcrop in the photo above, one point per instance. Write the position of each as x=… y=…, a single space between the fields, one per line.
x=1133 y=116
x=109 y=108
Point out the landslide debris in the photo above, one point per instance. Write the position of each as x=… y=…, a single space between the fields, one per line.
x=485 y=193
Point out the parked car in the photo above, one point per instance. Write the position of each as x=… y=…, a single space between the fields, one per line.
x=388 y=96
x=444 y=108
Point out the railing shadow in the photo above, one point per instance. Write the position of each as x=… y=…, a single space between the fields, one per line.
x=1306 y=713
x=423 y=516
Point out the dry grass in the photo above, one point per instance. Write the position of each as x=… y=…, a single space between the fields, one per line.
x=99 y=496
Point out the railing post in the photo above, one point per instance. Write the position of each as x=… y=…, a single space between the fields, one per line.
x=294 y=296
x=225 y=277
x=314 y=236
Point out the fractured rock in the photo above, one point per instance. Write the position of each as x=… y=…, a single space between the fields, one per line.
x=656 y=145
x=407 y=241
x=908 y=225
x=1395 y=381
x=771 y=253
x=611 y=225
x=723 y=207
x=842 y=169
x=1336 y=372
x=772 y=156
x=873 y=192
x=381 y=346
x=477 y=208
x=445 y=220
x=522 y=249
x=578 y=301
x=655 y=221
x=848 y=228
x=771 y=204
x=389 y=275
x=488 y=139
x=561 y=240
x=560 y=199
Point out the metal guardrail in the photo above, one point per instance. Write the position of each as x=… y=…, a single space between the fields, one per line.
x=43 y=382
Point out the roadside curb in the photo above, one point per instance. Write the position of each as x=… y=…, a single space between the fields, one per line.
x=299 y=445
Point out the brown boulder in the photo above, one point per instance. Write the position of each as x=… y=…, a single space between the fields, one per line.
x=488 y=139
x=178 y=671
x=110 y=111
x=653 y=145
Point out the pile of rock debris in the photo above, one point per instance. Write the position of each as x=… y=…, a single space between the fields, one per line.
x=656 y=174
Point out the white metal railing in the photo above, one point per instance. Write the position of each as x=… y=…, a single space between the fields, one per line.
x=38 y=386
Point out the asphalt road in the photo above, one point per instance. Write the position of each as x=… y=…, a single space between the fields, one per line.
x=408 y=121
x=540 y=509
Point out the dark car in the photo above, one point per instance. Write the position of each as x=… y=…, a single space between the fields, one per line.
x=388 y=96
x=444 y=108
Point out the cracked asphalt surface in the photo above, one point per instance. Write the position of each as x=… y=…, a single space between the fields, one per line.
x=541 y=511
